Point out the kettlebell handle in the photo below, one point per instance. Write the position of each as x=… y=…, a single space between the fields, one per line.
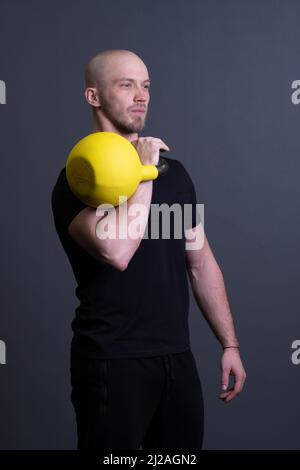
x=162 y=166
x=151 y=172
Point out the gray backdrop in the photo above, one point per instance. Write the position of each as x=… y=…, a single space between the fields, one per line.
x=222 y=74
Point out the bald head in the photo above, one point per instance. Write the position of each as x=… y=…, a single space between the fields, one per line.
x=117 y=82
x=106 y=66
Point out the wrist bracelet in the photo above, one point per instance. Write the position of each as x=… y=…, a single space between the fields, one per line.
x=226 y=347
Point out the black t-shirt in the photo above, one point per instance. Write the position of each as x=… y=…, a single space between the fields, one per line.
x=142 y=310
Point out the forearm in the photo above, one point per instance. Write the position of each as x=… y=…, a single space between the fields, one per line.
x=122 y=238
x=209 y=290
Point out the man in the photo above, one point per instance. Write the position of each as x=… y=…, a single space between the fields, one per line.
x=134 y=378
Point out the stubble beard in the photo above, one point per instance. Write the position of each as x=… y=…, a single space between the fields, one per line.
x=125 y=127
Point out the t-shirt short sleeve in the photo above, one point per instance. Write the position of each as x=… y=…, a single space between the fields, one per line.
x=192 y=212
x=65 y=205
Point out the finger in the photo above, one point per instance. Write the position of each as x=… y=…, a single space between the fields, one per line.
x=151 y=139
x=161 y=143
x=238 y=383
x=157 y=139
x=236 y=389
x=224 y=395
x=243 y=383
x=230 y=397
x=164 y=147
x=225 y=378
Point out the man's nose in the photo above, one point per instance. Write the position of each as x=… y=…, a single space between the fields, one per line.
x=140 y=94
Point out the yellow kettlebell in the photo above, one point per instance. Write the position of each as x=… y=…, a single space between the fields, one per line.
x=103 y=166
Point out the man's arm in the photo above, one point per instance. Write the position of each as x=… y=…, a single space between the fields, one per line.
x=87 y=226
x=208 y=287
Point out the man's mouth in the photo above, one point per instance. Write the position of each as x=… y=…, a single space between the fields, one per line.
x=138 y=111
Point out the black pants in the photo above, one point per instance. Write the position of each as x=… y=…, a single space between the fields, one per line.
x=150 y=402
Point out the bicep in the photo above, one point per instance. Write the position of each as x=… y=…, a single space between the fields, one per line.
x=82 y=230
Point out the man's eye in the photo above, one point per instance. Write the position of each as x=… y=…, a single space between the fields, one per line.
x=125 y=84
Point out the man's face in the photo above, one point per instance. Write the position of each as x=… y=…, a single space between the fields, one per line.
x=126 y=91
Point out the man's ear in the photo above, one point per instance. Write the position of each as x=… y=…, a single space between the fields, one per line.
x=92 y=97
